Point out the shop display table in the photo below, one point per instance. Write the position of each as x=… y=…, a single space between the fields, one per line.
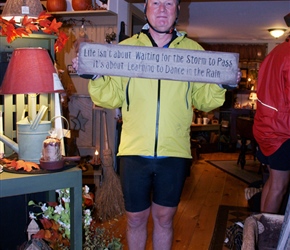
x=18 y=184
x=210 y=133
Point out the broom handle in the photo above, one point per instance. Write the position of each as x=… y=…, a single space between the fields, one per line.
x=105 y=130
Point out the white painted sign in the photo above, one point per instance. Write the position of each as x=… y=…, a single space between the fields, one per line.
x=159 y=63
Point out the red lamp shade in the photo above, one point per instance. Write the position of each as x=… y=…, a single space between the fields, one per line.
x=30 y=70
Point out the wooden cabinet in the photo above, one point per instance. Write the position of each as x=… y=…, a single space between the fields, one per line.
x=17 y=185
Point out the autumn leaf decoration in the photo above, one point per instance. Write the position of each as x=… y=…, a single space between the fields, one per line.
x=51 y=232
x=11 y=30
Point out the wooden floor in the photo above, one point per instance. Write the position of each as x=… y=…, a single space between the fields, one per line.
x=205 y=189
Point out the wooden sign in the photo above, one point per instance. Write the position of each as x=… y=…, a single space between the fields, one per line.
x=159 y=63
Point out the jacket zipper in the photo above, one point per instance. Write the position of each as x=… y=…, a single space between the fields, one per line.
x=157 y=118
x=127 y=94
x=186 y=96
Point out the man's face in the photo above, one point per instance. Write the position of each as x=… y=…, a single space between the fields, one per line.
x=161 y=13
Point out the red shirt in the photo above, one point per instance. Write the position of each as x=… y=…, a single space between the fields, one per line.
x=272 y=119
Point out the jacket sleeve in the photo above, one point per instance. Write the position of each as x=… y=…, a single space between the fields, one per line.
x=207 y=96
x=107 y=92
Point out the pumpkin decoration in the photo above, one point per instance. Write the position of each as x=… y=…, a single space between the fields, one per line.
x=56 y=5
x=81 y=4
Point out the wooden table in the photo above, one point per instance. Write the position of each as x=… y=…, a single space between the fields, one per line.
x=208 y=127
x=210 y=145
x=19 y=184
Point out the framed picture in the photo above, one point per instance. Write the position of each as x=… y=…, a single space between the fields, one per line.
x=244 y=73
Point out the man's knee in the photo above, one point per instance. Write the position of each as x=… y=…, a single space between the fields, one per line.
x=163 y=215
x=138 y=219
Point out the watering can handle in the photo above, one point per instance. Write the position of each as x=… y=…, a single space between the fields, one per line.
x=60 y=116
x=38 y=117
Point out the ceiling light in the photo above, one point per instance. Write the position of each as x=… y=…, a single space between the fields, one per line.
x=276 y=32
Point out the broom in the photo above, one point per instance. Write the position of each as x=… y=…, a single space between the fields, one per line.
x=109 y=201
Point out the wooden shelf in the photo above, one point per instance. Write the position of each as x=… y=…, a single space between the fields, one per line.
x=84 y=13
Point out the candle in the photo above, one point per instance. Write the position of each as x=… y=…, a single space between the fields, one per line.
x=51 y=149
x=96 y=159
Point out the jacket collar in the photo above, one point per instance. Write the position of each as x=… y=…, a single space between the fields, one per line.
x=146 y=27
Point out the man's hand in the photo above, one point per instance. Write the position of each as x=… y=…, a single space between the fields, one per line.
x=233 y=86
x=75 y=62
x=75 y=65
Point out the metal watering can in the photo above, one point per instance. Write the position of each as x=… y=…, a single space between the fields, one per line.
x=30 y=137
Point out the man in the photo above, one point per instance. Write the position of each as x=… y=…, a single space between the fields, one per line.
x=272 y=125
x=154 y=148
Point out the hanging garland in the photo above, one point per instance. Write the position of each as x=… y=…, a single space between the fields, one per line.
x=12 y=30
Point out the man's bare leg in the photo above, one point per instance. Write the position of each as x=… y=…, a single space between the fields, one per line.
x=275 y=189
x=163 y=226
x=137 y=229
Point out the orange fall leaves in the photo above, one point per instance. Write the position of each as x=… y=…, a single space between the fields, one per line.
x=20 y=164
x=11 y=30
x=50 y=233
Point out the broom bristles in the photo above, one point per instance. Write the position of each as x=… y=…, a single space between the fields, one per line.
x=110 y=202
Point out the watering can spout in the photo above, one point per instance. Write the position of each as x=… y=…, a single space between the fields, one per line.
x=10 y=143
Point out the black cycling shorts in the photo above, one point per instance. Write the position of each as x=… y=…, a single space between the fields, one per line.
x=279 y=160
x=160 y=180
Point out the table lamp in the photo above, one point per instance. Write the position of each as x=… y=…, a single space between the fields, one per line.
x=253 y=97
x=31 y=71
x=20 y=8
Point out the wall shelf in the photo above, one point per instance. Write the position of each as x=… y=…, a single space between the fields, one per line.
x=83 y=13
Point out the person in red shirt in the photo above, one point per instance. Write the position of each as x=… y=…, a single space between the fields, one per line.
x=271 y=127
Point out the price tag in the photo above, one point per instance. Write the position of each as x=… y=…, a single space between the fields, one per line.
x=25 y=10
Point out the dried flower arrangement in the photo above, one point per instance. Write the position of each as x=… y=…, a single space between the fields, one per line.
x=54 y=218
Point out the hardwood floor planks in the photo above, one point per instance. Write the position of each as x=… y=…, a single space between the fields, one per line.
x=215 y=186
x=234 y=192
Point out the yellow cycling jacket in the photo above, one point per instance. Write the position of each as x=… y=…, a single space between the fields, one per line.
x=156 y=113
